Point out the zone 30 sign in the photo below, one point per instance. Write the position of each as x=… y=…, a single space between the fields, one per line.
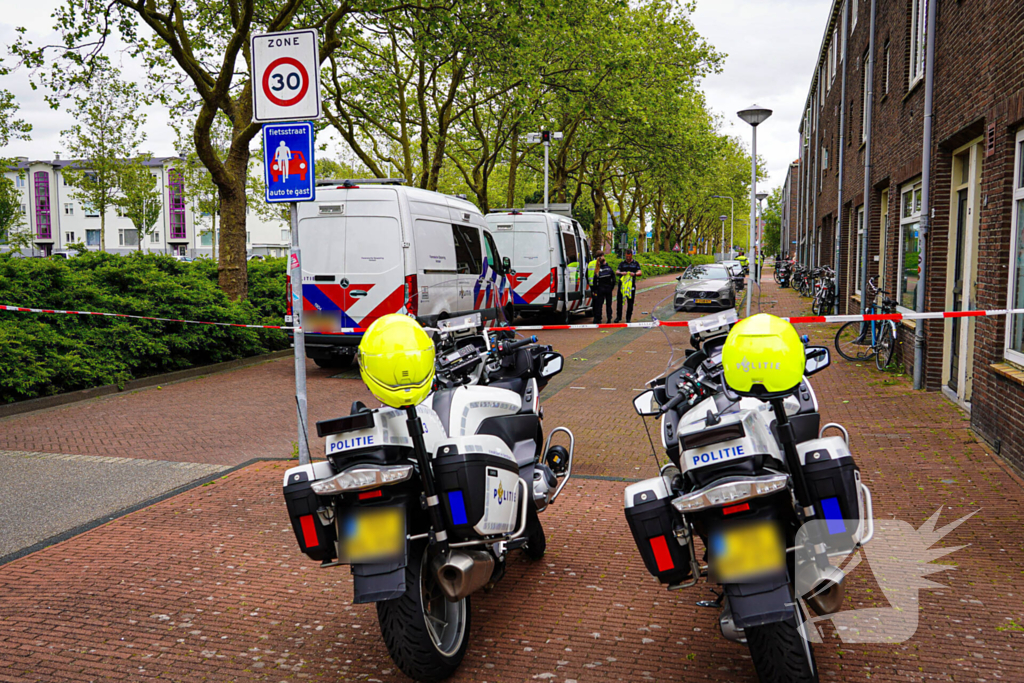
x=285 y=76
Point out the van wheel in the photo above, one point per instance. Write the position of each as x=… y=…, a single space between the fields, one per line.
x=335 y=363
x=561 y=317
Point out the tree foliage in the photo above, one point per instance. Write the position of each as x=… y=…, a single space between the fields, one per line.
x=138 y=197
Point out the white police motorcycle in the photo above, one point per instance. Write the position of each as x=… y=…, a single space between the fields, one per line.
x=425 y=504
x=770 y=496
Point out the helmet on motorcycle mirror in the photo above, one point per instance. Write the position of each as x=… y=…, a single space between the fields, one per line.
x=763 y=350
x=396 y=360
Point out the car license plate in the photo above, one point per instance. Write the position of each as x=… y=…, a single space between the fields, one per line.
x=705 y=301
x=321 y=322
x=373 y=535
x=746 y=552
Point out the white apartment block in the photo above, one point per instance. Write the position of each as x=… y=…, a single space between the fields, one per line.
x=56 y=220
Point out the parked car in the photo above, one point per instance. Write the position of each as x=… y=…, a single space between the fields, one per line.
x=296 y=166
x=549 y=253
x=736 y=269
x=373 y=247
x=705 y=287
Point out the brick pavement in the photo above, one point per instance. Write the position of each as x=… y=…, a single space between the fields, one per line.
x=209 y=584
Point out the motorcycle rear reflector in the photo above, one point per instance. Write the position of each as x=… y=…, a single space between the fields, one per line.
x=710 y=436
x=662 y=556
x=340 y=425
x=309 y=537
x=743 y=507
x=366 y=495
x=458 y=507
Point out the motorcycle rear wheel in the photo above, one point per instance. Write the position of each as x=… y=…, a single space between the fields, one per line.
x=781 y=654
x=426 y=635
x=536 y=541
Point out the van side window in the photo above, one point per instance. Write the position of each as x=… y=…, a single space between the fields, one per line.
x=569 y=246
x=467 y=249
x=493 y=255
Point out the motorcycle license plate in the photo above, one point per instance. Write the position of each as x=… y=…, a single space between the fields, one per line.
x=746 y=552
x=705 y=301
x=373 y=535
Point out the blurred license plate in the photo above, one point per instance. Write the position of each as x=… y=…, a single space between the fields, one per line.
x=373 y=534
x=316 y=321
x=705 y=301
x=746 y=552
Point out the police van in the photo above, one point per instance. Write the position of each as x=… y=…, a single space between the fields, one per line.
x=373 y=247
x=549 y=253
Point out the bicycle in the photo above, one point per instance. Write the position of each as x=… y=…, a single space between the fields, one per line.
x=859 y=341
x=824 y=291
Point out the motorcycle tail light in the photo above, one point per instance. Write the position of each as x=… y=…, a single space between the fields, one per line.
x=731 y=492
x=362 y=477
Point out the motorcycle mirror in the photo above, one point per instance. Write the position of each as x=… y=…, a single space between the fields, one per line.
x=552 y=364
x=817 y=359
x=646 y=403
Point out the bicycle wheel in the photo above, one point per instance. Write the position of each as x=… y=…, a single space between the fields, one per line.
x=886 y=345
x=853 y=342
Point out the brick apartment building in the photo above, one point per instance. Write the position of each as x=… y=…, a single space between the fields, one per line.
x=973 y=248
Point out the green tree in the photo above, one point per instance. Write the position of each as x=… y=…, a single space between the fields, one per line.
x=139 y=197
x=772 y=222
x=106 y=136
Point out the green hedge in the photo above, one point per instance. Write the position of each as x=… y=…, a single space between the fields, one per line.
x=45 y=354
x=662 y=258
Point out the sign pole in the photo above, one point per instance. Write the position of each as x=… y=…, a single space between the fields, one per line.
x=299 y=336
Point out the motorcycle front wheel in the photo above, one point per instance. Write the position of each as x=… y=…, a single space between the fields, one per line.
x=781 y=654
x=425 y=634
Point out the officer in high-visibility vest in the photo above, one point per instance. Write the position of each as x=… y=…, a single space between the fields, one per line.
x=592 y=268
x=627 y=272
x=742 y=258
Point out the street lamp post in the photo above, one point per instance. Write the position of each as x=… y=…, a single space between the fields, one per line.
x=722 y=218
x=755 y=116
x=546 y=137
x=732 y=222
x=759 y=235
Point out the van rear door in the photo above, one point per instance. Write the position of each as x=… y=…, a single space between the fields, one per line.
x=352 y=268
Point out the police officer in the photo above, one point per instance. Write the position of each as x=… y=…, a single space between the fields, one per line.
x=627 y=271
x=742 y=258
x=604 y=285
x=592 y=268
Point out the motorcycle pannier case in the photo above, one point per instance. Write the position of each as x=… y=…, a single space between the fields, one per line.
x=652 y=519
x=833 y=482
x=314 y=537
x=478 y=483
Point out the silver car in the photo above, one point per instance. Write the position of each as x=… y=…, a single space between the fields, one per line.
x=705 y=287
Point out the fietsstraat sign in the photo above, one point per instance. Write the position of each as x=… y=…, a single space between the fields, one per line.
x=286 y=76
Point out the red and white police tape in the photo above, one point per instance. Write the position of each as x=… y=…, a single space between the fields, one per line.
x=896 y=317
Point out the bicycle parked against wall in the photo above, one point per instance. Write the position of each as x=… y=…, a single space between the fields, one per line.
x=859 y=341
x=824 y=291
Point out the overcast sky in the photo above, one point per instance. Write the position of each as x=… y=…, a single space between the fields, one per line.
x=770 y=45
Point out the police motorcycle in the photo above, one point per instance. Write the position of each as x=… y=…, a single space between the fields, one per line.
x=771 y=498
x=425 y=497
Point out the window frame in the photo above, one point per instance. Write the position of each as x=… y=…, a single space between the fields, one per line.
x=864 y=98
x=69 y=237
x=121 y=242
x=858 y=225
x=854 y=4
x=918 y=35
x=1017 y=227
x=911 y=187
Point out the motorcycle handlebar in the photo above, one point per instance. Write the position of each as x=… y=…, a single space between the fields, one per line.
x=512 y=346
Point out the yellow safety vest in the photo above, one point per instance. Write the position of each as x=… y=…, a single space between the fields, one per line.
x=591 y=268
x=626 y=285
x=742 y=259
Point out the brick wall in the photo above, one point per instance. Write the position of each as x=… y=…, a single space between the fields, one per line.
x=979 y=94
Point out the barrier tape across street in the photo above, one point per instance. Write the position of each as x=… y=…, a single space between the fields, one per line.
x=895 y=317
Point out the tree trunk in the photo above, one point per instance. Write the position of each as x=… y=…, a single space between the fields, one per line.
x=513 y=166
x=231 y=266
x=103 y=230
x=598 y=229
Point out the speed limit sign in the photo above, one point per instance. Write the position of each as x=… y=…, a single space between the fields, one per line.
x=285 y=76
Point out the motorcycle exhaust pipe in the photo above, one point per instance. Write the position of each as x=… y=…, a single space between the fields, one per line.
x=463 y=572
x=826 y=597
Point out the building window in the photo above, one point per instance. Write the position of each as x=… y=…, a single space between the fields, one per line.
x=286 y=236
x=176 y=197
x=69 y=209
x=1015 y=323
x=92 y=238
x=853 y=13
x=908 y=270
x=69 y=237
x=835 y=54
x=248 y=237
x=864 y=105
x=918 y=20
x=21 y=180
x=885 y=72
x=24 y=209
x=155 y=237
x=128 y=237
x=858 y=264
x=42 y=192
x=206 y=238
x=89 y=211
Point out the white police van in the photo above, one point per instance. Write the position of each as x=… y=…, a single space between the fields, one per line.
x=373 y=247
x=549 y=252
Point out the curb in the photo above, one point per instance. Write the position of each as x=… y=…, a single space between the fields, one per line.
x=44 y=402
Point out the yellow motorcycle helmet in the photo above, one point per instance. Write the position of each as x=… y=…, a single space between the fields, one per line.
x=396 y=360
x=763 y=350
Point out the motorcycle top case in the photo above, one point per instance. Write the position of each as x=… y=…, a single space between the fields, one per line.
x=833 y=483
x=314 y=537
x=478 y=483
x=652 y=520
